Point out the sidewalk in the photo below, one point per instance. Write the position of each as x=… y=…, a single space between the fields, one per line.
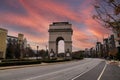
x=119 y=64
x=112 y=72
x=114 y=62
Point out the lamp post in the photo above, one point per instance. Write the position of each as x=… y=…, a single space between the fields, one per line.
x=95 y=42
x=46 y=47
x=37 y=52
x=47 y=51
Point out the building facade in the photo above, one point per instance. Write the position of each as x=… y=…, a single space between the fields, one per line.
x=16 y=46
x=112 y=46
x=3 y=37
x=99 y=49
x=106 y=47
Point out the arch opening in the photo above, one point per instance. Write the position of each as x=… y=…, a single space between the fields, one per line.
x=60 y=46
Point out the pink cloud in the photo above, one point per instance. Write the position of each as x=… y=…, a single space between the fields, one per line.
x=81 y=39
x=92 y=26
x=49 y=6
x=40 y=13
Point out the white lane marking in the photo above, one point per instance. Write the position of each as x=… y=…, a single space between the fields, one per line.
x=102 y=71
x=55 y=72
x=81 y=74
x=58 y=72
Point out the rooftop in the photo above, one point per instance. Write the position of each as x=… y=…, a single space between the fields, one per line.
x=3 y=29
x=12 y=36
x=60 y=23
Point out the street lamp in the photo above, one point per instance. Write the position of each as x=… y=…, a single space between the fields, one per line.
x=47 y=51
x=46 y=47
x=37 y=52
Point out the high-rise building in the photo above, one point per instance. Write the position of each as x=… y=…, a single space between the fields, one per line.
x=112 y=42
x=116 y=33
x=106 y=47
x=109 y=47
x=3 y=37
x=99 y=49
x=112 y=46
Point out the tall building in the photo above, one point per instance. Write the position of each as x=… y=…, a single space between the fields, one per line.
x=116 y=32
x=109 y=47
x=106 y=47
x=112 y=42
x=3 y=37
x=112 y=46
x=86 y=53
x=117 y=39
x=99 y=49
x=92 y=52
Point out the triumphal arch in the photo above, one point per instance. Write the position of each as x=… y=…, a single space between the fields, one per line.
x=60 y=31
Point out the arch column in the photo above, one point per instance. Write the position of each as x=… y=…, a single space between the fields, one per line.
x=68 y=45
x=52 y=46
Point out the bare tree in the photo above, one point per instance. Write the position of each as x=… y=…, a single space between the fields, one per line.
x=108 y=14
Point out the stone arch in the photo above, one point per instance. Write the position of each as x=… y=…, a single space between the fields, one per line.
x=60 y=31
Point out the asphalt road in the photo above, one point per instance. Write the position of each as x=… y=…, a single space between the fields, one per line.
x=93 y=74
x=112 y=72
x=87 y=69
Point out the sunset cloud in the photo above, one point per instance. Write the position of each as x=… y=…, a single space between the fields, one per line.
x=32 y=18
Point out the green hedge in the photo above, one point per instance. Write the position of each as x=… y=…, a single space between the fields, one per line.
x=78 y=56
x=12 y=60
x=15 y=63
x=53 y=61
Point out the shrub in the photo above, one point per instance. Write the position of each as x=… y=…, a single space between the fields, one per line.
x=77 y=56
x=53 y=61
x=14 y=63
x=12 y=60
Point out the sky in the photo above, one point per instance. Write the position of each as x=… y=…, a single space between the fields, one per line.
x=32 y=18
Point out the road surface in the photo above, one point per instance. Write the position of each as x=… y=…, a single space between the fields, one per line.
x=87 y=69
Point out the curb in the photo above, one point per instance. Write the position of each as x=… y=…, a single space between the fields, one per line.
x=114 y=62
x=119 y=63
x=34 y=65
x=22 y=66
